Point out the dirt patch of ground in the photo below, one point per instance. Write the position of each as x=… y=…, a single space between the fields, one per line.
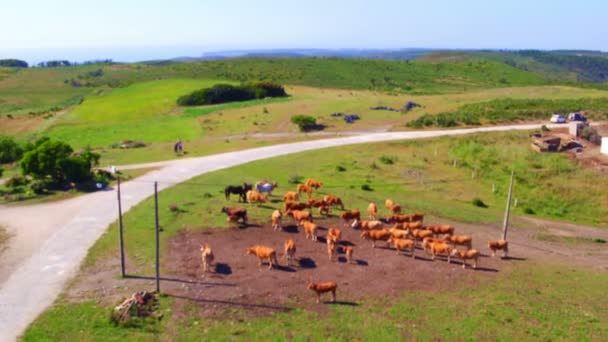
x=239 y=286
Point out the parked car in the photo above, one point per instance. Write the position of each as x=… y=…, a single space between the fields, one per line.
x=577 y=117
x=556 y=118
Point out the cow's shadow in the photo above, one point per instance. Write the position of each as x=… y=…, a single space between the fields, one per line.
x=307 y=263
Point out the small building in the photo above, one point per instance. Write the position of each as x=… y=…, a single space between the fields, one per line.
x=604 y=149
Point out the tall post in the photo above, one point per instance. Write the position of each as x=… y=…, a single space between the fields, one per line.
x=120 y=229
x=157 y=237
x=505 y=225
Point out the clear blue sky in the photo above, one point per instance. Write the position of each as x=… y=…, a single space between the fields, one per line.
x=178 y=27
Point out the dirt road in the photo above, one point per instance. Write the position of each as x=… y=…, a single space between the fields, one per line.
x=50 y=240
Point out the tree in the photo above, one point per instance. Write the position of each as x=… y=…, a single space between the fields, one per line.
x=56 y=160
x=13 y=63
x=304 y=122
x=10 y=151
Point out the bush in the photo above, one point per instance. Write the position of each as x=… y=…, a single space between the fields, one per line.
x=304 y=122
x=16 y=181
x=40 y=186
x=1 y=171
x=479 y=203
x=366 y=187
x=388 y=160
x=590 y=134
x=10 y=151
x=223 y=93
x=544 y=128
x=295 y=179
x=340 y=168
x=529 y=211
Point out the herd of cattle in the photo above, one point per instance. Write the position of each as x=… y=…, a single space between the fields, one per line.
x=401 y=231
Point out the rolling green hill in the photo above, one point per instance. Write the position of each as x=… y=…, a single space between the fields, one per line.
x=41 y=89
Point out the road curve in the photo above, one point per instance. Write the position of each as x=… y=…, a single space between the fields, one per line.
x=71 y=227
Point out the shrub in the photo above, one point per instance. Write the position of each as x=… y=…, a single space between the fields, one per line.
x=366 y=187
x=598 y=240
x=340 y=168
x=40 y=186
x=223 y=93
x=388 y=160
x=16 y=181
x=479 y=203
x=529 y=211
x=1 y=171
x=590 y=134
x=10 y=151
x=173 y=208
x=304 y=122
x=295 y=179
x=544 y=128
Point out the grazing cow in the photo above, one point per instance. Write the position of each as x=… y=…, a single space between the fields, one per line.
x=334 y=234
x=240 y=190
x=294 y=205
x=304 y=188
x=417 y=217
x=402 y=244
x=267 y=187
x=319 y=288
x=313 y=183
x=367 y=225
x=497 y=245
x=392 y=206
x=441 y=229
x=235 y=214
x=333 y=201
x=254 y=196
x=348 y=251
x=331 y=248
x=276 y=220
x=420 y=234
x=470 y=254
x=399 y=233
x=315 y=203
x=206 y=256
x=462 y=240
x=426 y=243
x=310 y=229
x=264 y=253
x=299 y=215
x=349 y=215
x=290 y=250
x=440 y=248
x=291 y=196
x=376 y=235
x=372 y=209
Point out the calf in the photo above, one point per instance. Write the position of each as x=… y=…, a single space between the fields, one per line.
x=462 y=240
x=256 y=197
x=276 y=219
x=264 y=253
x=497 y=245
x=376 y=235
x=348 y=251
x=290 y=250
x=403 y=244
x=235 y=214
x=333 y=201
x=367 y=225
x=324 y=210
x=299 y=216
x=290 y=196
x=206 y=256
x=441 y=229
x=467 y=255
x=372 y=209
x=334 y=234
x=319 y=288
x=440 y=248
x=310 y=229
x=331 y=248
x=313 y=183
x=349 y=215
x=294 y=205
x=304 y=188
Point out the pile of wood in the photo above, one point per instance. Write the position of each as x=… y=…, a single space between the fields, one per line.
x=140 y=304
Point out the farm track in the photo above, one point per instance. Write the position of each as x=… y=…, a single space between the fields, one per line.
x=51 y=240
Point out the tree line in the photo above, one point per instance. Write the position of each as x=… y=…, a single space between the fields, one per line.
x=223 y=93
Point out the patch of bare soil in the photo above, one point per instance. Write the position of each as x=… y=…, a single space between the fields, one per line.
x=237 y=282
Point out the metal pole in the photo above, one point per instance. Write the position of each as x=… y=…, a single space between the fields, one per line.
x=120 y=228
x=157 y=237
x=506 y=222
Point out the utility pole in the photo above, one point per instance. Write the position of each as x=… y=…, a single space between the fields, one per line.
x=157 y=237
x=505 y=225
x=120 y=228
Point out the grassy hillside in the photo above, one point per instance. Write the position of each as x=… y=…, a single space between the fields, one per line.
x=561 y=66
x=40 y=89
